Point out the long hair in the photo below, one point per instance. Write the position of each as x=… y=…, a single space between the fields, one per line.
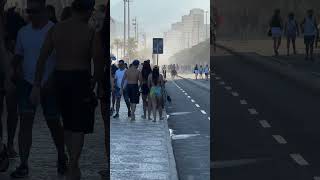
x=146 y=70
x=155 y=76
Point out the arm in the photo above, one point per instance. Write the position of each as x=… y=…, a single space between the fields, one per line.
x=46 y=51
x=98 y=60
x=123 y=79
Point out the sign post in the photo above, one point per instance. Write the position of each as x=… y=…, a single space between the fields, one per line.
x=157 y=47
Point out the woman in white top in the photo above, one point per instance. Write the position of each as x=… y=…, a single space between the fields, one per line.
x=201 y=71
x=196 y=71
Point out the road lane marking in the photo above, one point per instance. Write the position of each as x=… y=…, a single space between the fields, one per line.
x=265 y=124
x=243 y=102
x=316 y=178
x=299 y=159
x=192 y=100
x=209 y=118
x=217 y=78
x=235 y=94
x=203 y=112
x=197 y=105
x=222 y=83
x=228 y=88
x=252 y=111
x=186 y=94
x=189 y=97
x=279 y=139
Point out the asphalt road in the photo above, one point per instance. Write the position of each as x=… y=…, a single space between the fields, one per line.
x=263 y=125
x=189 y=121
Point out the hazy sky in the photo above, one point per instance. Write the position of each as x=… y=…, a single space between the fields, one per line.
x=156 y=16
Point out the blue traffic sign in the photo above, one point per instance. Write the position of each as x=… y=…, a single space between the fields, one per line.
x=157 y=45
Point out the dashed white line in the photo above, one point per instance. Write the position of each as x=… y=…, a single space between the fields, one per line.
x=228 y=88
x=316 y=178
x=203 y=112
x=193 y=100
x=279 y=139
x=299 y=159
x=243 y=102
x=186 y=94
x=222 y=83
x=189 y=97
x=234 y=94
x=252 y=111
x=217 y=78
x=209 y=118
x=265 y=124
x=197 y=105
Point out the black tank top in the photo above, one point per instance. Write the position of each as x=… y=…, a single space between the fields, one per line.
x=275 y=22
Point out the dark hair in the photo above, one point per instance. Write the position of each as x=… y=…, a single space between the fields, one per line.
x=155 y=76
x=121 y=61
x=83 y=5
x=52 y=13
x=66 y=13
x=43 y=2
x=146 y=70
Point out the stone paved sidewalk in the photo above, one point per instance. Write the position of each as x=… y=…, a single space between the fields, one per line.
x=140 y=149
x=43 y=154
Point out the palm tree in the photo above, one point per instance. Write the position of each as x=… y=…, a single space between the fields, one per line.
x=132 y=48
x=116 y=43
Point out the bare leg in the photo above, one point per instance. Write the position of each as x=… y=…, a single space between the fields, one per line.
x=12 y=120
x=25 y=137
x=154 y=108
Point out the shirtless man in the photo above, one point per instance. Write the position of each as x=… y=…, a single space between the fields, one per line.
x=132 y=76
x=75 y=45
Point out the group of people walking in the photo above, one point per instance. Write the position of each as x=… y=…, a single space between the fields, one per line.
x=133 y=81
x=48 y=62
x=291 y=29
x=200 y=70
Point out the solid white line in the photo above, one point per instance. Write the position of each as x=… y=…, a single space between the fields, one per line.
x=203 y=112
x=197 y=105
x=228 y=88
x=265 y=124
x=299 y=159
x=279 y=139
x=243 y=102
x=253 y=111
x=189 y=97
x=235 y=94
x=192 y=100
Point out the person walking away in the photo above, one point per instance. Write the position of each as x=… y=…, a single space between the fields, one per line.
x=206 y=71
x=164 y=71
x=310 y=30
x=29 y=42
x=132 y=78
x=119 y=75
x=155 y=83
x=291 y=30
x=113 y=72
x=75 y=45
x=145 y=72
x=276 y=30
x=196 y=71
x=201 y=71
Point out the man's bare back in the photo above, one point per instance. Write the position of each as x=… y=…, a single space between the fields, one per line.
x=73 y=42
x=133 y=75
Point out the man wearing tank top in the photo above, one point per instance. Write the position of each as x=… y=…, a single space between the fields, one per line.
x=310 y=30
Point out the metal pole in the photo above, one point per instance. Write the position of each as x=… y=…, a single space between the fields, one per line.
x=157 y=59
x=124 y=29
x=206 y=24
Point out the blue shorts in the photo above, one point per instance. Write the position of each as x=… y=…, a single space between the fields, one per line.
x=48 y=100
x=118 y=95
x=309 y=40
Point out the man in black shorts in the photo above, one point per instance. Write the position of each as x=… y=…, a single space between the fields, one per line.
x=132 y=77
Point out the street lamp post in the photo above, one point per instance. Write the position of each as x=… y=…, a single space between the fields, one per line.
x=124 y=29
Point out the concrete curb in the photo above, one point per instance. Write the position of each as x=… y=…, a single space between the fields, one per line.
x=303 y=79
x=198 y=84
x=173 y=174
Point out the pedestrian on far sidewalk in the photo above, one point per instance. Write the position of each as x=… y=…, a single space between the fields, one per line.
x=206 y=71
x=310 y=30
x=291 y=30
x=196 y=71
x=276 y=26
x=201 y=71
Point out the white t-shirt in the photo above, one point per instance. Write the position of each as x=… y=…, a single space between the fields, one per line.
x=119 y=75
x=206 y=70
x=29 y=43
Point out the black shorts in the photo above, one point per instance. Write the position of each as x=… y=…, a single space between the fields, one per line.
x=133 y=93
x=145 y=89
x=75 y=100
